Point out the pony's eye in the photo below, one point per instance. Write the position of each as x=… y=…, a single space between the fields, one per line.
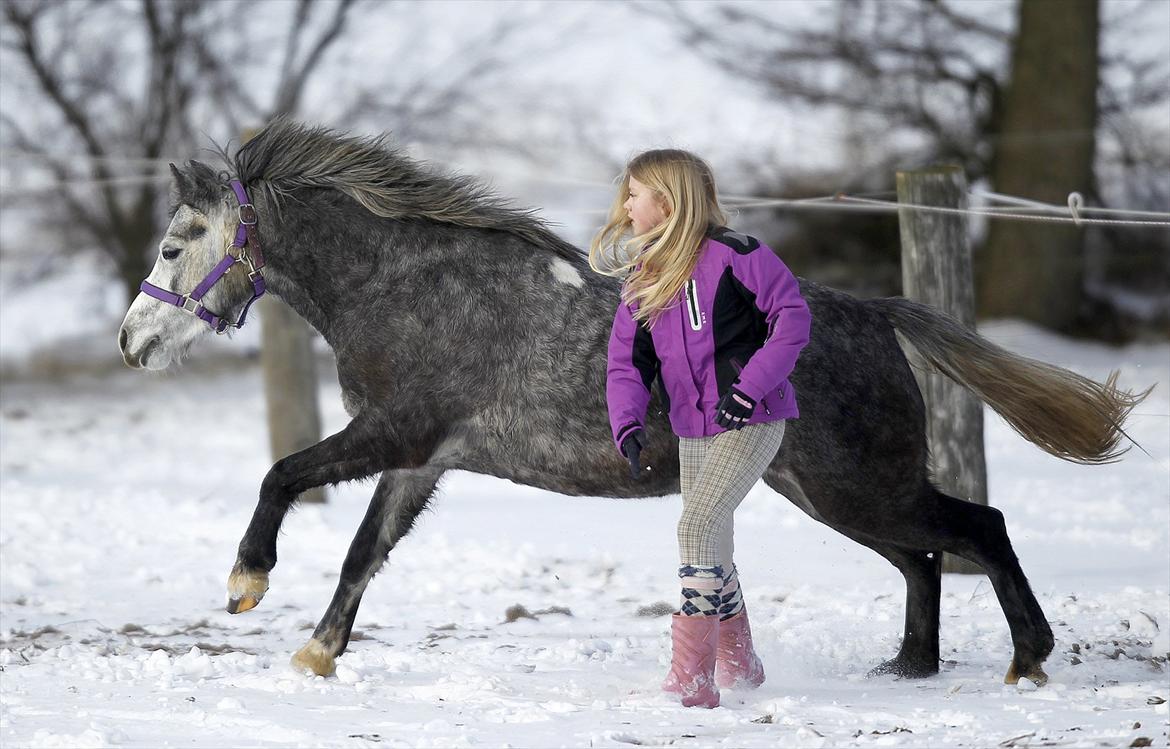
x=170 y=253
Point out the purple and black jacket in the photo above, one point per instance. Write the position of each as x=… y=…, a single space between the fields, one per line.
x=741 y=322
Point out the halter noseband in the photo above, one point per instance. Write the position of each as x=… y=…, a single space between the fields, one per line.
x=250 y=254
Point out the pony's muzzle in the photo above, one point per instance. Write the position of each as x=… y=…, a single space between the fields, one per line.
x=136 y=359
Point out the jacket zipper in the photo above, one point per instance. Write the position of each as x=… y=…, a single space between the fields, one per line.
x=692 y=294
x=682 y=337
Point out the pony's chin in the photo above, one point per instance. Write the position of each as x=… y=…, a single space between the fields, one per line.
x=158 y=357
x=157 y=360
x=171 y=352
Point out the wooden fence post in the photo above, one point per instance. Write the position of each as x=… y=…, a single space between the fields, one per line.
x=290 y=383
x=936 y=270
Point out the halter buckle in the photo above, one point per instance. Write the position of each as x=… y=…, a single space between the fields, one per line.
x=191 y=306
x=247 y=213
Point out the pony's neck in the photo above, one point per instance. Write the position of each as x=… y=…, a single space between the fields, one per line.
x=308 y=264
x=282 y=281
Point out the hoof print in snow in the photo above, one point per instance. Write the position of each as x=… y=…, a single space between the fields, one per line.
x=903 y=669
x=661 y=608
x=553 y=610
x=516 y=612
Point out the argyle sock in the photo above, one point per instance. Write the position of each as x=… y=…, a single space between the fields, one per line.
x=700 y=590
x=730 y=597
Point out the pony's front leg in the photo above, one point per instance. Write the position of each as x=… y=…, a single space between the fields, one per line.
x=399 y=498
x=355 y=452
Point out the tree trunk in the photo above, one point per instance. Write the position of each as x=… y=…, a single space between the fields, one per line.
x=1044 y=151
x=132 y=251
x=131 y=273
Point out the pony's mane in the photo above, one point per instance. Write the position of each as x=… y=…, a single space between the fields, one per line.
x=286 y=156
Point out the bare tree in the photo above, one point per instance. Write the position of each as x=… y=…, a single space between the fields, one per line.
x=922 y=81
x=450 y=100
x=1030 y=270
x=298 y=53
x=900 y=66
x=111 y=114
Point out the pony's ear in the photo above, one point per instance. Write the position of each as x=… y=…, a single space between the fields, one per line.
x=197 y=185
x=201 y=172
x=180 y=186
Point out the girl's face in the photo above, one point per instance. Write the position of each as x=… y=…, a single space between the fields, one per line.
x=644 y=207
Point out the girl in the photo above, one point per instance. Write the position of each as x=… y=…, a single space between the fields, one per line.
x=718 y=320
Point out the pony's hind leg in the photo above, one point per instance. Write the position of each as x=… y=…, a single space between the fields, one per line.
x=914 y=553
x=978 y=533
x=352 y=453
x=397 y=501
x=922 y=570
x=936 y=521
x=918 y=655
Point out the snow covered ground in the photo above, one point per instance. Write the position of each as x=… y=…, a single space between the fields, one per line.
x=122 y=499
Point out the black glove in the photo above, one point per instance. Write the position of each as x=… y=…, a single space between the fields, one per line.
x=632 y=449
x=734 y=409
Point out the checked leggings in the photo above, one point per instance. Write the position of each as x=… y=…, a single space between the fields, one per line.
x=717 y=472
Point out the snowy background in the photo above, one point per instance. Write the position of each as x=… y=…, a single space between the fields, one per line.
x=125 y=494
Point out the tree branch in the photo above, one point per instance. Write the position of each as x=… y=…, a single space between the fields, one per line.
x=51 y=86
x=292 y=87
x=78 y=211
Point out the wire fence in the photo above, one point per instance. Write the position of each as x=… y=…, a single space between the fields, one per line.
x=1009 y=207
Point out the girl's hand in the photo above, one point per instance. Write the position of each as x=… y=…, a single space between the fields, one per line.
x=632 y=449
x=734 y=409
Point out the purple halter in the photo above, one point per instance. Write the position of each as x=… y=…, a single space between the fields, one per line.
x=250 y=254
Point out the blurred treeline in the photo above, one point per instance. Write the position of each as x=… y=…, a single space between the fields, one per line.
x=1035 y=98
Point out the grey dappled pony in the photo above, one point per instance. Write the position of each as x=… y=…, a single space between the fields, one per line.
x=469 y=336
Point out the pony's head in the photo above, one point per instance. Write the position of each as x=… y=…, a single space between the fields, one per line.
x=204 y=219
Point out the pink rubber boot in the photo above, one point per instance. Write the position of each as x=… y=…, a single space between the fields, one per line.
x=736 y=663
x=693 y=640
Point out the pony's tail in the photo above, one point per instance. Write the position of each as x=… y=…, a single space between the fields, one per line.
x=1069 y=416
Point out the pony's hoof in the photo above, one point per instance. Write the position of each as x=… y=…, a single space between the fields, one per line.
x=313 y=658
x=903 y=668
x=245 y=589
x=240 y=605
x=1034 y=674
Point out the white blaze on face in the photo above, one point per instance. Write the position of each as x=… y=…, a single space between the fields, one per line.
x=155 y=333
x=566 y=273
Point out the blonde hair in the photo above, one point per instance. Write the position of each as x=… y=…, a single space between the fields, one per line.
x=661 y=260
